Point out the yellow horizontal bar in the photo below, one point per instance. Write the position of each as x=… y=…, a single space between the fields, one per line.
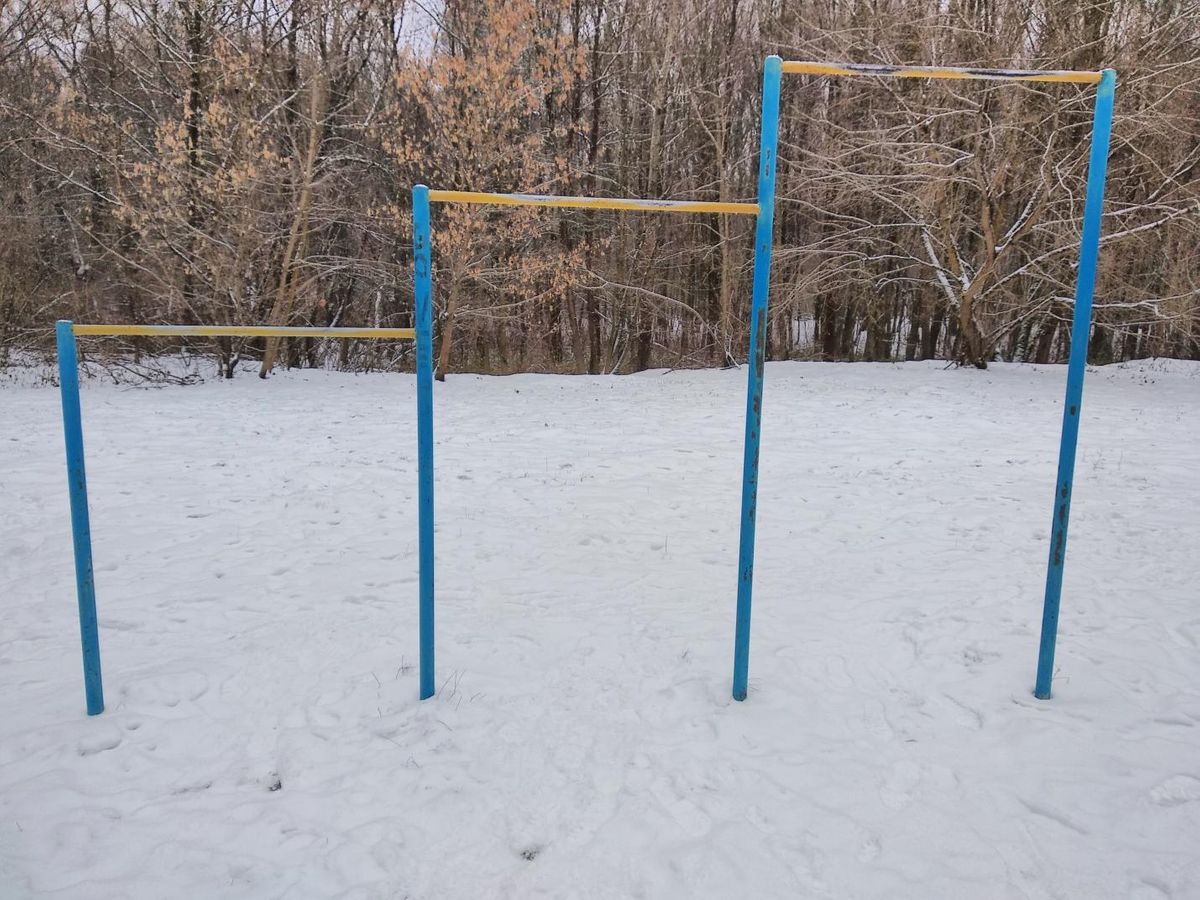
x=816 y=68
x=675 y=206
x=244 y=331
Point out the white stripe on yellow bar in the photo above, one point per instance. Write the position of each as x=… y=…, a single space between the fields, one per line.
x=879 y=71
x=242 y=331
x=670 y=206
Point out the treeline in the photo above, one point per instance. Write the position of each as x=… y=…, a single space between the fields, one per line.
x=250 y=161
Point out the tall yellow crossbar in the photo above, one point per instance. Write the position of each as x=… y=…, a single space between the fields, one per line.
x=244 y=331
x=1053 y=75
x=667 y=206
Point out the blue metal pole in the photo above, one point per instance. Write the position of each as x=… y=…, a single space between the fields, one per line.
x=81 y=530
x=1081 y=324
x=763 y=239
x=423 y=302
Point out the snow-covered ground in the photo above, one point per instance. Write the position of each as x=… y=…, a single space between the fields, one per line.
x=255 y=547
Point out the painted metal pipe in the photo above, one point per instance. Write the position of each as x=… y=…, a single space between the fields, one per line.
x=81 y=530
x=794 y=67
x=551 y=200
x=423 y=310
x=244 y=331
x=763 y=240
x=1081 y=325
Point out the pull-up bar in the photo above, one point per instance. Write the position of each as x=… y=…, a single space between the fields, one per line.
x=422 y=197
x=1089 y=250
x=407 y=334
x=66 y=333
x=763 y=209
x=791 y=67
x=551 y=200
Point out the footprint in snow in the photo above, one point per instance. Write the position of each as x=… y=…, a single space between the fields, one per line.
x=869 y=848
x=1176 y=790
x=105 y=738
x=897 y=793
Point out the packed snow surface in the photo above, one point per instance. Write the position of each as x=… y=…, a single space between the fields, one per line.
x=255 y=547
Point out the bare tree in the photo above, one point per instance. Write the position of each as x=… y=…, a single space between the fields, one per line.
x=236 y=162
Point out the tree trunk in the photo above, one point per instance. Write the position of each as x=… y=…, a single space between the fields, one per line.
x=289 y=275
x=448 y=324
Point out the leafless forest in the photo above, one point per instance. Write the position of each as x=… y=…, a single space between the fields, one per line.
x=249 y=161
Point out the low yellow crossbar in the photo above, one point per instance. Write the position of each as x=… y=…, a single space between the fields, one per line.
x=244 y=331
x=1052 y=75
x=668 y=206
